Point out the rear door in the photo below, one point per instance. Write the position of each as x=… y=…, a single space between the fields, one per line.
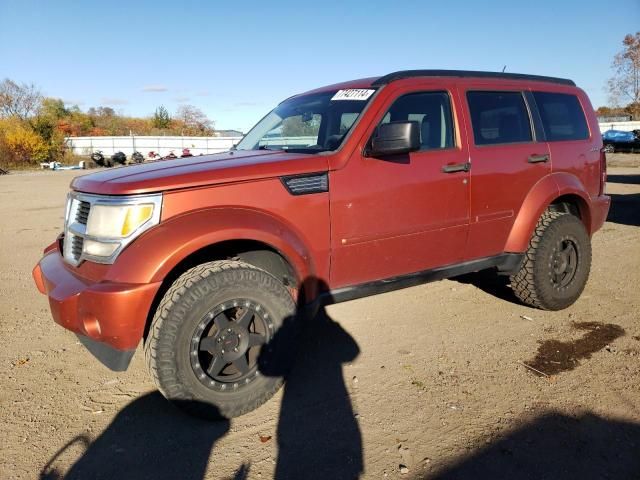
x=506 y=162
x=572 y=149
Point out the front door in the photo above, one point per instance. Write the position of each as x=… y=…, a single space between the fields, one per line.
x=407 y=213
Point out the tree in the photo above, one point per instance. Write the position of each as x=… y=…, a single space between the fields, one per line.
x=21 y=101
x=161 y=118
x=194 y=120
x=21 y=145
x=624 y=86
x=52 y=108
x=101 y=112
x=106 y=119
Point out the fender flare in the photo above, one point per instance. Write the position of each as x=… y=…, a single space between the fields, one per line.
x=152 y=256
x=570 y=185
x=543 y=194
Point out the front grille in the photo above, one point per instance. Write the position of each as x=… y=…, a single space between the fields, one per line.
x=78 y=215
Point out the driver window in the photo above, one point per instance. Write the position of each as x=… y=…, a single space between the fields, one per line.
x=432 y=111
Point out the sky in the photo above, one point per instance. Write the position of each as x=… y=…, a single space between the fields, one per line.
x=236 y=60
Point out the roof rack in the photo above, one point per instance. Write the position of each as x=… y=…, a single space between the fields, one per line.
x=467 y=74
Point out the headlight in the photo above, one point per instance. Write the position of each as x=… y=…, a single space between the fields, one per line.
x=97 y=227
x=115 y=221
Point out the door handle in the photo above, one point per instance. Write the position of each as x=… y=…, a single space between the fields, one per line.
x=458 y=167
x=538 y=158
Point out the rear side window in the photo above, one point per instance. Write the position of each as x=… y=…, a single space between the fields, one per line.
x=499 y=117
x=432 y=111
x=562 y=116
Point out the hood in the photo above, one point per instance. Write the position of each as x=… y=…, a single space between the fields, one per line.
x=234 y=166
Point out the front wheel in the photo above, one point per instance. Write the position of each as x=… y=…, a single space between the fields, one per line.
x=207 y=335
x=557 y=263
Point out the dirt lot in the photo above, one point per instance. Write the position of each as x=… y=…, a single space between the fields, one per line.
x=428 y=382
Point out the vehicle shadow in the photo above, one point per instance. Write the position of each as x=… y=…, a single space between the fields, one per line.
x=318 y=435
x=490 y=282
x=555 y=446
x=625 y=209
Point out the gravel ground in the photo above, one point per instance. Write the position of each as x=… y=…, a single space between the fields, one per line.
x=434 y=381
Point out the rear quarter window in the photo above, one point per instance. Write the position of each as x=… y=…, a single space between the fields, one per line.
x=562 y=116
x=499 y=118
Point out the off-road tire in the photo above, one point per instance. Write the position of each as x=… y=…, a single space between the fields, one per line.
x=534 y=284
x=168 y=344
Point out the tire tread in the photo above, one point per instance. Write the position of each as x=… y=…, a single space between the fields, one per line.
x=529 y=283
x=163 y=332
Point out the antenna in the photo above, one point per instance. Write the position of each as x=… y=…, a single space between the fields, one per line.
x=504 y=68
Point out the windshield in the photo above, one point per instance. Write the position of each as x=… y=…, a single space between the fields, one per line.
x=311 y=123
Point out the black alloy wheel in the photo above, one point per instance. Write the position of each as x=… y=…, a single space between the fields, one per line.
x=226 y=344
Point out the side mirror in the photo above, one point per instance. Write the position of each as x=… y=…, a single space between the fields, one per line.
x=395 y=138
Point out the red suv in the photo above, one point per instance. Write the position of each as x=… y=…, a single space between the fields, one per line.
x=338 y=193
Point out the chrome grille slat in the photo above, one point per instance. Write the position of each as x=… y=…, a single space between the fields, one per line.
x=82 y=213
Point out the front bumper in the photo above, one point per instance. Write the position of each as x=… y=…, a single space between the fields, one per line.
x=108 y=317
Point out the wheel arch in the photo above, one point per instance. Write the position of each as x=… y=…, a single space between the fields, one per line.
x=212 y=232
x=256 y=253
x=560 y=192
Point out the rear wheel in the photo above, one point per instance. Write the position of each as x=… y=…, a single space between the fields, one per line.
x=207 y=334
x=557 y=263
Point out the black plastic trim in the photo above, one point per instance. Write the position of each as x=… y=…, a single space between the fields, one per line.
x=391 y=77
x=506 y=263
x=323 y=189
x=116 y=360
x=540 y=135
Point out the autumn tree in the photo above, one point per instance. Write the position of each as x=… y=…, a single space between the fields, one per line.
x=194 y=121
x=18 y=100
x=624 y=86
x=106 y=120
x=24 y=138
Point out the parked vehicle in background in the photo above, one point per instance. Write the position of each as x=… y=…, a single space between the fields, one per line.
x=338 y=193
x=98 y=158
x=137 y=157
x=118 y=158
x=621 y=141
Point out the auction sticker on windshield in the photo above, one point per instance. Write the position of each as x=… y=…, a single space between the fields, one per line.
x=353 y=94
